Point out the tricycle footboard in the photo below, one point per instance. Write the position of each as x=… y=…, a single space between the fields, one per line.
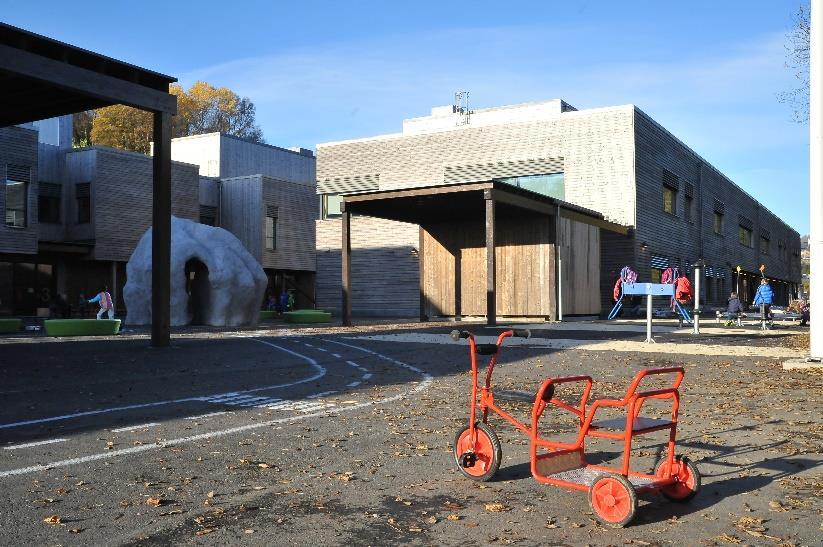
x=557 y=462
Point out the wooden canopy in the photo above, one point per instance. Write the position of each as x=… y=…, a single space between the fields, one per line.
x=456 y=202
x=42 y=78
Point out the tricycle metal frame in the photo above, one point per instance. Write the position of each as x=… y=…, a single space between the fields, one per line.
x=564 y=464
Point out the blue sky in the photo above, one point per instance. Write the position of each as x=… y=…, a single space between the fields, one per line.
x=320 y=71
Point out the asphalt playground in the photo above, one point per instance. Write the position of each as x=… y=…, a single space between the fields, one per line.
x=344 y=436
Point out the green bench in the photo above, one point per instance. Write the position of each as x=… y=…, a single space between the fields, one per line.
x=307 y=316
x=268 y=314
x=10 y=324
x=82 y=327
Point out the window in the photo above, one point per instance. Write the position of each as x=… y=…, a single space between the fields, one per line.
x=208 y=215
x=82 y=192
x=688 y=206
x=671 y=185
x=744 y=235
x=330 y=204
x=718 y=223
x=669 y=200
x=271 y=228
x=17 y=194
x=764 y=246
x=552 y=185
x=48 y=203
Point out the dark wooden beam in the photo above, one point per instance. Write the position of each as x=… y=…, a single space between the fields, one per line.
x=346 y=267
x=416 y=192
x=422 y=273
x=491 y=286
x=87 y=82
x=530 y=204
x=161 y=232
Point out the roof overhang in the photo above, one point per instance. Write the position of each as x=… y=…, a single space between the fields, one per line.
x=466 y=201
x=42 y=78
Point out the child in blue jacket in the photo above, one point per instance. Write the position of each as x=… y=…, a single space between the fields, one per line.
x=764 y=295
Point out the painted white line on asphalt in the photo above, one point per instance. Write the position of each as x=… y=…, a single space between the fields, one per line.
x=337 y=355
x=353 y=384
x=424 y=384
x=209 y=415
x=321 y=371
x=366 y=377
x=321 y=394
x=133 y=427
x=38 y=443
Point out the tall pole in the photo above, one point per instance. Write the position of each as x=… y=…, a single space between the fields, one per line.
x=816 y=179
x=698 y=267
x=161 y=232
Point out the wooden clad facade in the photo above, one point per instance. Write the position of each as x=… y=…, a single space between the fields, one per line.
x=18 y=148
x=454 y=266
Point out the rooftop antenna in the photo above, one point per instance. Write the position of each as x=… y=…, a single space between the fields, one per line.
x=461 y=107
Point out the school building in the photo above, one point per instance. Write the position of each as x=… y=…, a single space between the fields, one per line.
x=73 y=216
x=416 y=213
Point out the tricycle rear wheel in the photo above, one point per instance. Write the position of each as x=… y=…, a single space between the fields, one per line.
x=613 y=500
x=480 y=460
x=687 y=475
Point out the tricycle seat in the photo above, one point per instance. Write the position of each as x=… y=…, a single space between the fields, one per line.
x=639 y=425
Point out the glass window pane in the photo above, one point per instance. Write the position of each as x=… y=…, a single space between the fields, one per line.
x=333 y=202
x=16 y=194
x=552 y=185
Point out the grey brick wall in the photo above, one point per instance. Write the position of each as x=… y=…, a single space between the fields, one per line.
x=121 y=200
x=596 y=146
x=684 y=241
x=385 y=273
x=297 y=210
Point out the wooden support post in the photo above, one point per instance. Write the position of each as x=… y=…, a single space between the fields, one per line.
x=458 y=281
x=422 y=271
x=491 y=292
x=346 y=267
x=161 y=232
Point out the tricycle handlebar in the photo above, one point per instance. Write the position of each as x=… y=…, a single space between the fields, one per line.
x=519 y=333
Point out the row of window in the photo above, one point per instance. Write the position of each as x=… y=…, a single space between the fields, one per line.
x=744 y=233
x=48 y=203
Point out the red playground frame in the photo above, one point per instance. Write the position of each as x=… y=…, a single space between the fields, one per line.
x=612 y=490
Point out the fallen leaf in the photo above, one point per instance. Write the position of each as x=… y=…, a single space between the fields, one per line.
x=453 y=516
x=75 y=530
x=205 y=531
x=210 y=494
x=154 y=502
x=496 y=507
x=54 y=519
x=248 y=531
x=432 y=520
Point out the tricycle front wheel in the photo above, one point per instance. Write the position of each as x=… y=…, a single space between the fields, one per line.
x=687 y=476
x=478 y=460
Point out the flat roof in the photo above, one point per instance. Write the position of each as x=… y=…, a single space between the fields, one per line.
x=43 y=78
x=466 y=201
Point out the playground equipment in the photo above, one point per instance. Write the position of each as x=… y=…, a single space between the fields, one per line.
x=627 y=285
x=612 y=490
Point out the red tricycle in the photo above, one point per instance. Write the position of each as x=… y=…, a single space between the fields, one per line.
x=612 y=490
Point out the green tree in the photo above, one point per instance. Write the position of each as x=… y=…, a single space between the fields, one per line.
x=202 y=109
x=81 y=128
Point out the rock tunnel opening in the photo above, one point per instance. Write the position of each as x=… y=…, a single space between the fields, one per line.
x=198 y=289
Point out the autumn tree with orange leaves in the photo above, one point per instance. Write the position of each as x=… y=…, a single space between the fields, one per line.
x=202 y=109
